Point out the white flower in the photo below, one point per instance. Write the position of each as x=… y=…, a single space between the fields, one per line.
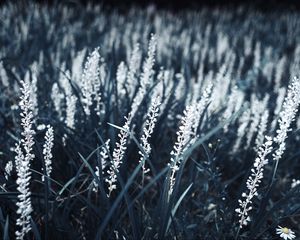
x=145 y=76
x=184 y=135
x=295 y=183
x=57 y=97
x=103 y=157
x=147 y=131
x=23 y=161
x=70 y=99
x=90 y=80
x=253 y=182
x=285 y=233
x=118 y=154
x=8 y=169
x=134 y=64
x=262 y=127
x=41 y=127
x=287 y=116
x=121 y=79
x=47 y=151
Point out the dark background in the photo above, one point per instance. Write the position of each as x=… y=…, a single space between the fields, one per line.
x=177 y=5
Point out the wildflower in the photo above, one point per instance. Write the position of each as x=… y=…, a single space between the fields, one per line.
x=285 y=233
x=8 y=169
x=146 y=75
x=262 y=127
x=235 y=101
x=57 y=98
x=118 y=154
x=287 y=116
x=279 y=102
x=34 y=90
x=147 y=131
x=243 y=124
x=41 y=127
x=134 y=64
x=257 y=108
x=253 y=182
x=295 y=183
x=149 y=62
x=121 y=78
x=77 y=66
x=23 y=161
x=90 y=80
x=200 y=107
x=104 y=156
x=184 y=135
x=71 y=101
x=47 y=151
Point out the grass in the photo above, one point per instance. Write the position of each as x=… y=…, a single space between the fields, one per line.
x=249 y=57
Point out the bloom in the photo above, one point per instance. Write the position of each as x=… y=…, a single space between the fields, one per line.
x=253 y=182
x=47 y=151
x=148 y=130
x=184 y=135
x=146 y=75
x=295 y=183
x=23 y=160
x=285 y=233
x=9 y=168
x=90 y=80
x=287 y=116
x=118 y=154
x=103 y=158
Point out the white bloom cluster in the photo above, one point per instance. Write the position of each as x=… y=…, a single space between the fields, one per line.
x=220 y=91
x=279 y=102
x=200 y=107
x=103 y=158
x=41 y=127
x=287 y=116
x=71 y=100
x=257 y=108
x=134 y=64
x=147 y=131
x=121 y=78
x=146 y=75
x=77 y=63
x=262 y=127
x=243 y=124
x=90 y=80
x=23 y=161
x=8 y=169
x=253 y=182
x=295 y=183
x=118 y=154
x=184 y=135
x=47 y=150
x=149 y=62
x=57 y=97
x=235 y=101
x=34 y=90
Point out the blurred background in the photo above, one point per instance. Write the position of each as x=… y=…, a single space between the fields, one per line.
x=265 y=5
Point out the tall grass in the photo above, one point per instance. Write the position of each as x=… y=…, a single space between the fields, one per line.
x=199 y=91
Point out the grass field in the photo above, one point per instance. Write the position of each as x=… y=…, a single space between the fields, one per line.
x=149 y=124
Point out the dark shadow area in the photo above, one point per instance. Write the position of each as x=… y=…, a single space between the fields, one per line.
x=177 y=5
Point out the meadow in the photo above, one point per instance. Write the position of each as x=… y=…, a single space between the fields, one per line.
x=149 y=123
